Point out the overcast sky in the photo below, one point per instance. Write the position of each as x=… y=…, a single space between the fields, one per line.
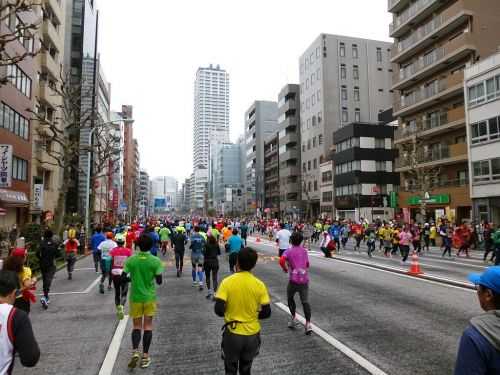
x=151 y=49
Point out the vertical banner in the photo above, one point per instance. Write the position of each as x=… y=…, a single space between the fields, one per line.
x=5 y=166
x=38 y=196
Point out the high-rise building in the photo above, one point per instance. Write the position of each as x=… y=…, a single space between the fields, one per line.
x=211 y=123
x=16 y=100
x=225 y=178
x=130 y=162
x=211 y=112
x=434 y=41
x=47 y=175
x=271 y=177
x=289 y=150
x=81 y=69
x=261 y=121
x=342 y=80
x=144 y=193
x=482 y=81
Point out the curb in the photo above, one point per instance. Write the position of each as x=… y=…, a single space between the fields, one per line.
x=400 y=271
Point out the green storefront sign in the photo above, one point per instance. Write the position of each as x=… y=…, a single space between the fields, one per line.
x=393 y=200
x=433 y=199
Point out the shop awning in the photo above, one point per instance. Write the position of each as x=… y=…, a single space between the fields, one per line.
x=12 y=198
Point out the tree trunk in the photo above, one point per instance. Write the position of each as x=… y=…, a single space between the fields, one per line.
x=61 y=203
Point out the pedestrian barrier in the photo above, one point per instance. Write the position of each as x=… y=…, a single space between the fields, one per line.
x=415 y=266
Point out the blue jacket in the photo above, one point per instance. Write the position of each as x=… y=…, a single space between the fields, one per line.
x=335 y=231
x=476 y=355
x=197 y=243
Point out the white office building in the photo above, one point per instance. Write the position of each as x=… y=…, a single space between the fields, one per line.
x=482 y=82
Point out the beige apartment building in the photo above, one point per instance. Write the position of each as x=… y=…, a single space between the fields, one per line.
x=46 y=176
x=434 y=41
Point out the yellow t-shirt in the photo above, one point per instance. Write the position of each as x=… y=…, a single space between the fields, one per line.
x=24 y=275
x=244 y=295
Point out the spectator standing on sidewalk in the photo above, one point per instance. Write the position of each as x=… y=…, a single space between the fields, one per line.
x=16 y=333
x=47 y=254
x=479 y=350
x=242 y=299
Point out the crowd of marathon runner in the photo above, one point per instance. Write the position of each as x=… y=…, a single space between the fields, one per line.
x=129 y=259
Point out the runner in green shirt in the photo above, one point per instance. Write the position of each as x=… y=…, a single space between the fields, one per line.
x=142 y=269
x=164 y=234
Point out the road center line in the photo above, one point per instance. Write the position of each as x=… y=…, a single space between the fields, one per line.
x=114 y=348
x=363 y=362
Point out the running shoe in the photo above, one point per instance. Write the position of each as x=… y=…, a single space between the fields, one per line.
x=200 y=286
x=308 y=328
x=195 y=284
x=70 y=277
x=293 y=323
x=119 y=312
x=133 y=361
x=145 y=362
x=44 y=303
x=101 y=288
x=178 y=273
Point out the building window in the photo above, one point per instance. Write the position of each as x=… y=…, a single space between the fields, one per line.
x=343 y=71
x=19 y=169
x=304 y=167
x=307 y=83
x=380 y=166
x=320 y=116
x=357 y=115
x=320 y=139
x=309 y=165
x=308 y=144
x=315 y=164
x=486 y=170
x=343 y=93
x=19 y=79
x=327 y=176
x=309 y=186
x=379 y=142
x=314 y=142
x=342 y=50
x=485 y=130
x=355 y=72
x=345 y=115
x=304 y=147
x=379 y=54
x=354 y=51
x=318 y=74
x=327 y=196
x=356 y=94
x=315 y=185
x=318 y=96
x=14 y=122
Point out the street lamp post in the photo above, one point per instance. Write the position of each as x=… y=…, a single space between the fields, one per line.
x=87 y=182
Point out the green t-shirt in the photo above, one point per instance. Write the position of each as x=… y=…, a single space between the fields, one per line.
x=142 y=268
x=164 y=234
x=215 y=233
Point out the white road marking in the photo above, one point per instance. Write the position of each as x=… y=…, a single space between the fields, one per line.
x=85 y=269
x=114 y=348
x=86 y=291
x=363 y=362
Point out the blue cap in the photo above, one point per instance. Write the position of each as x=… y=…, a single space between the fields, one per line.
x=489 y=279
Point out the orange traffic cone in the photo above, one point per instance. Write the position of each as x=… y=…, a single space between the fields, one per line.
x=258 y=239
x=415 y=267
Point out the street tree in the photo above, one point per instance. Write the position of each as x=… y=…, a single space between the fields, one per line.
x=22 y=24
x=420 y=176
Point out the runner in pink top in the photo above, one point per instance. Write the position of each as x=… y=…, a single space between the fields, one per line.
x=119 y=255
x=295 y=262
x=405 y=239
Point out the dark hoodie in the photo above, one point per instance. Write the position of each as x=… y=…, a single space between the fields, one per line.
x=479 y=351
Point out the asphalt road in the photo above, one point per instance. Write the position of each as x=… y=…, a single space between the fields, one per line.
x=401 y=325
